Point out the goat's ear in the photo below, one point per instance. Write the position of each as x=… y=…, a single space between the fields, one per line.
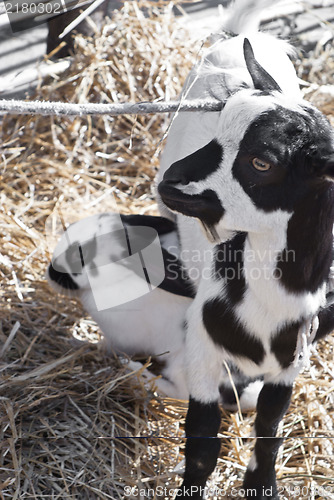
x=261 y=78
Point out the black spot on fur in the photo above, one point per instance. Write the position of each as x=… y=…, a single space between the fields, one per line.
x=304 y=263
x=78 y=255
x=228 y=266
x=225 y=330
x=283 y=345
x=241 y=382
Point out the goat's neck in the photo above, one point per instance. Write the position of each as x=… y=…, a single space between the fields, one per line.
x=260 y=260
x=264 y=247
x=300 y=253
x=266 y=292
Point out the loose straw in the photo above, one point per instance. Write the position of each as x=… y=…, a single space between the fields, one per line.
x=69 y=109
x=80 y=18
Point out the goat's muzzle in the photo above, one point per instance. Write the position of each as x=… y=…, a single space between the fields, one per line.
x=205 y=206
x=170 y=191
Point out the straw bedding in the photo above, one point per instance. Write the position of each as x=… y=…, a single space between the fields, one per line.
x=66 y=406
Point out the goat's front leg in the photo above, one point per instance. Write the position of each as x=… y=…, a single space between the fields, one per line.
x=260 y=478
x=204 y=370
x=202 y=447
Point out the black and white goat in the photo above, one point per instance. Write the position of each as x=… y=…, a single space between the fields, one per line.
x=125 y=270
x=251 y=187
x=101 y=261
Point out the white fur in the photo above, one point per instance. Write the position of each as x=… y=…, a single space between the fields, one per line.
x=203 y=361
x=250 y=394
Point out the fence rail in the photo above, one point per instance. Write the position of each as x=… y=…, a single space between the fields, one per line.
x=139 y=108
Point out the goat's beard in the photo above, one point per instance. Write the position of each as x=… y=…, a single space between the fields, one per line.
x=212 y=235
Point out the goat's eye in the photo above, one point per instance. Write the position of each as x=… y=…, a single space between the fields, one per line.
x=261 y=165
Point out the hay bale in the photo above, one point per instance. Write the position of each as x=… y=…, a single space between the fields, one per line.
x=65 y=406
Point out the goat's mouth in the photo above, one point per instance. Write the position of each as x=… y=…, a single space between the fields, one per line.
x=204 y=206
x=176 y=200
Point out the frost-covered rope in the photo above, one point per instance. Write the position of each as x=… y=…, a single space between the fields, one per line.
x=138 y=108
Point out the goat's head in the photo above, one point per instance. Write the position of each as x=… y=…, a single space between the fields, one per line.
x=108 y=257
x=268 y=155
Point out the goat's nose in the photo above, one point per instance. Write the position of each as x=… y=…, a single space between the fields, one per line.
x=175 y=174
x=195 y=167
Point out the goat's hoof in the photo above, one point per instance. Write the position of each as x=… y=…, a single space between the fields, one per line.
x=255 y=489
